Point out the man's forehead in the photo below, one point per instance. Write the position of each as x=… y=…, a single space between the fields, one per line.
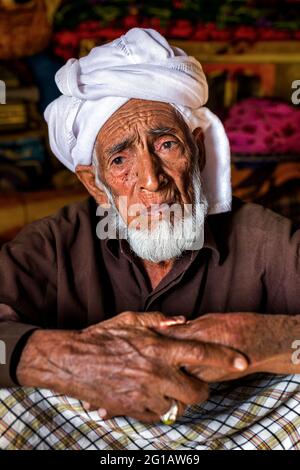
x=150 y=115
x=136 y=107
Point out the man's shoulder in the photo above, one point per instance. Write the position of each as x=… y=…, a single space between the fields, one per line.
x=249 y=222
x=256 y=217
x=79 y=211
x=65 y=224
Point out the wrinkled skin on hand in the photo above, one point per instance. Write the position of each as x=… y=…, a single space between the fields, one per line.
x=122 y=366
x=264 y=339
x=141 y=371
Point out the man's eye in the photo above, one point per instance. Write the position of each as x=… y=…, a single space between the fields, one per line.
x=168 y=145
x=118 y=160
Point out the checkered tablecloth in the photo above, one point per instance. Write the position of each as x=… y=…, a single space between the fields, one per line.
x=257 y=412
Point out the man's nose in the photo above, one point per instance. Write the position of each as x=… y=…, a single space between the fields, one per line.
x=149 y=172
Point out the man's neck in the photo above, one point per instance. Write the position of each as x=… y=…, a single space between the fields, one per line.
x=157 y=271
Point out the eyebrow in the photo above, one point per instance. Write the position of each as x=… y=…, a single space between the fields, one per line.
x=162 y=130
x=120 y=146
x=126 y=143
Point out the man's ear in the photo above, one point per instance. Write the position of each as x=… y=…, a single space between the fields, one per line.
x=86 y=174
x=199 y=140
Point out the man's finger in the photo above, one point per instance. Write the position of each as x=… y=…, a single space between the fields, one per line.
x=86 y=405
x=212 y=374
x=192 y=353
x=163 y=407
x=142 y=319
x=156 y=408
x=148 y=411
x=151 y=319
x=183 y=387
x=102 y=413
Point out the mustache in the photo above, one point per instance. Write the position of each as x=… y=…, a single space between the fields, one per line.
x=159 y=198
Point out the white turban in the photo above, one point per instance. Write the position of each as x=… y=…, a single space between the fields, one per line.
x=140 y=64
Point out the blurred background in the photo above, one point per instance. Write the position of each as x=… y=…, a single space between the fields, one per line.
x=250 y=52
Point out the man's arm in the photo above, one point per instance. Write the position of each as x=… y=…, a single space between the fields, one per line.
x=81 y=364
x=28 y=278
x=13 y=335
x=270 y=338
x=270 y=342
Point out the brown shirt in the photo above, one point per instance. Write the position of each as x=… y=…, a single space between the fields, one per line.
x=58 y=274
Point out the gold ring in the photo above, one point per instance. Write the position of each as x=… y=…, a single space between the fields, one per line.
x=171 y=415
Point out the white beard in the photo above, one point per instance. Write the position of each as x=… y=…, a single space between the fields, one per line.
x=166 y=238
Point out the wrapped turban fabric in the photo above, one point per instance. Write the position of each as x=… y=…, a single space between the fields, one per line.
x=141 y=64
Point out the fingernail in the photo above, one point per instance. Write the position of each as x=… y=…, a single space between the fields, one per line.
x=240 y=363
x=173 y=320
x=102 y=413
x=180 y=319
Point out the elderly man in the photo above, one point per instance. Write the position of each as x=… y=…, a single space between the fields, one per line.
x=159 y=283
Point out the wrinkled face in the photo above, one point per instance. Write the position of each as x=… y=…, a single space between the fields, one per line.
x=146 y=153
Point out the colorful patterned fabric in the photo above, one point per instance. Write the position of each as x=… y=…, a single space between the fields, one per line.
x=263 y=126
x=258 y=412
